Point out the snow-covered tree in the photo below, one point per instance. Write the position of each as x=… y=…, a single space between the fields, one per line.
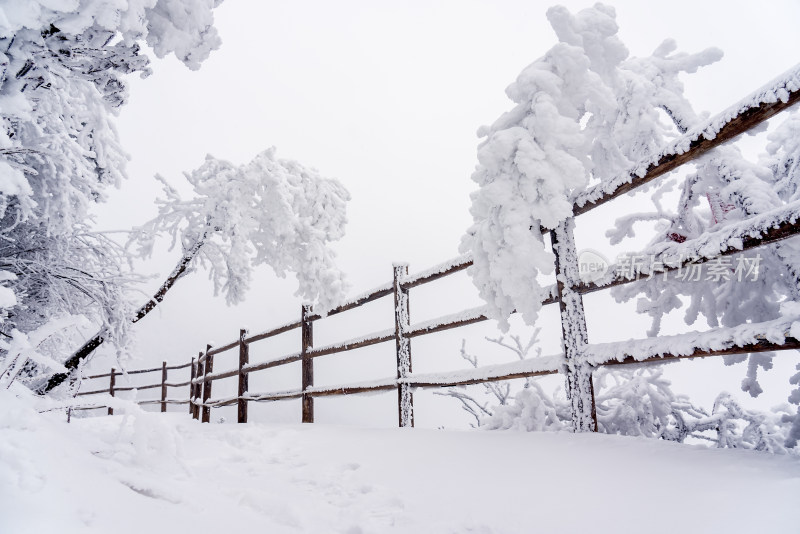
x=587 y=113
x=62 y=69
x=270 y=211
x=61 y=80
x=583 y=112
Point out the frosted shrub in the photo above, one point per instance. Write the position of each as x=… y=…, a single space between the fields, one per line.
x=641 y=402
x=531 y=410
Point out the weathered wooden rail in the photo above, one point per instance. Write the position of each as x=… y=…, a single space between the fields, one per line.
x=113 y=389
x=579 y=358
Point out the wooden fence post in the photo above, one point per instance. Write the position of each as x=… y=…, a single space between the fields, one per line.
x=198 y=388
x=209 y=368
x=307 y=328
x=192 y=376
x=244 y=378
x=163 y=387
x=402 y=324
x=111 y=388
x=573 y=328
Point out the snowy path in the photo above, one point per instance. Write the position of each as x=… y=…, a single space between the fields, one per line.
x=170 y=474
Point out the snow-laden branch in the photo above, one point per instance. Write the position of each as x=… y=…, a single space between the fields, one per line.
x=269 y=211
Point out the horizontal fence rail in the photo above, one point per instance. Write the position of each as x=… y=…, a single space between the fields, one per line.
x=579 y=358
x=163 y=385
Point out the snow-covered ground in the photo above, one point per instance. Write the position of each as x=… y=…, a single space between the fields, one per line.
x=152 y=473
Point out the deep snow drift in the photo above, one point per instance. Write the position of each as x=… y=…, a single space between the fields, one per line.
x=148 y=472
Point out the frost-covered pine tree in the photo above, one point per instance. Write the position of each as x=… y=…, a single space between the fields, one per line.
x=587 y=112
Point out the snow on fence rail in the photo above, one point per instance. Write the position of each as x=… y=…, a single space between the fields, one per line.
x=580 y=357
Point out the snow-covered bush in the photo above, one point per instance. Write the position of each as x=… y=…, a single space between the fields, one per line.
x=641 y=402
x=495 y=391
x=531 y=410
x=631 y=400
x=638 y=403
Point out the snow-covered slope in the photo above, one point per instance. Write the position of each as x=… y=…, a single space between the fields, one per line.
x=145 y=472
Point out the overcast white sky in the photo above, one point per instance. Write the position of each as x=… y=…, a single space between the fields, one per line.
x=386 y=97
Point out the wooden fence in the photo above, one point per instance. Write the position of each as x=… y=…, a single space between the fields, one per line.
x=163 y=385
x=579 y=358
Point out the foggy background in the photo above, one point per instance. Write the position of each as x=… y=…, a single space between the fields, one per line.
x=387 y=97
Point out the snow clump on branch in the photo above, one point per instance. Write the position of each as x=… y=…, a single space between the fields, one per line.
x=269 y=211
